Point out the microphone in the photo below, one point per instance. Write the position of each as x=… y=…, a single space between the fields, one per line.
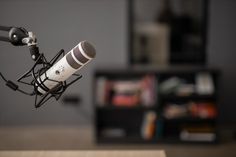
x=74 y=60
x=48 y=78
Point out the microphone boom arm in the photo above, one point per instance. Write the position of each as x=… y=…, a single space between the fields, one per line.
x=15 y=35
x=19 y=36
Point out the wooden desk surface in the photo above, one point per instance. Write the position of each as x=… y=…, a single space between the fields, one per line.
x=84 y=153
x=37 y=138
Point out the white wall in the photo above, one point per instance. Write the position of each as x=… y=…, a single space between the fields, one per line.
x=222 y=53
x=60 y=24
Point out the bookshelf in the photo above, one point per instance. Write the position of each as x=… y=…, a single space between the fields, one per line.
x=156 y=105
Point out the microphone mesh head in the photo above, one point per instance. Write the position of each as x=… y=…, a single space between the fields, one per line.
x=80 y=55
x=88 y=49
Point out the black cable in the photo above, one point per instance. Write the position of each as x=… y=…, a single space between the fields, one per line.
x=30 y=94
x=14 y=86
x=3 y=77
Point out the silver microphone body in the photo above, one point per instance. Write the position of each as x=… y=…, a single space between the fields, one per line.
x=74 y=60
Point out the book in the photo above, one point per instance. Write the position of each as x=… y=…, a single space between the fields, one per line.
x=127 y=92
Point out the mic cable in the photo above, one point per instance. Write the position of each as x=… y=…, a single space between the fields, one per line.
x=14 y=86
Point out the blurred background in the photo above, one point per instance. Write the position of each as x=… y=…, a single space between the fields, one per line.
x=162 y=78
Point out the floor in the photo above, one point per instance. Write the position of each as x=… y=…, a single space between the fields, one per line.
x=73 y=138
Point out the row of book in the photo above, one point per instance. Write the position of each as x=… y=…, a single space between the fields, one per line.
x=127 y=92
x=151 y=127
x=191 y=109
x=203 y=133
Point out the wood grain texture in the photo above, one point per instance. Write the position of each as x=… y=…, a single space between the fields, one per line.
x=110 y=153
x=38 y=138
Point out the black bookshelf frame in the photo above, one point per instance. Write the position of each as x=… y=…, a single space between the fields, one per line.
x=102 y=112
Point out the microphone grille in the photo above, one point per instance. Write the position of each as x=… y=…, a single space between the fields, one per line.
x=88 y=49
